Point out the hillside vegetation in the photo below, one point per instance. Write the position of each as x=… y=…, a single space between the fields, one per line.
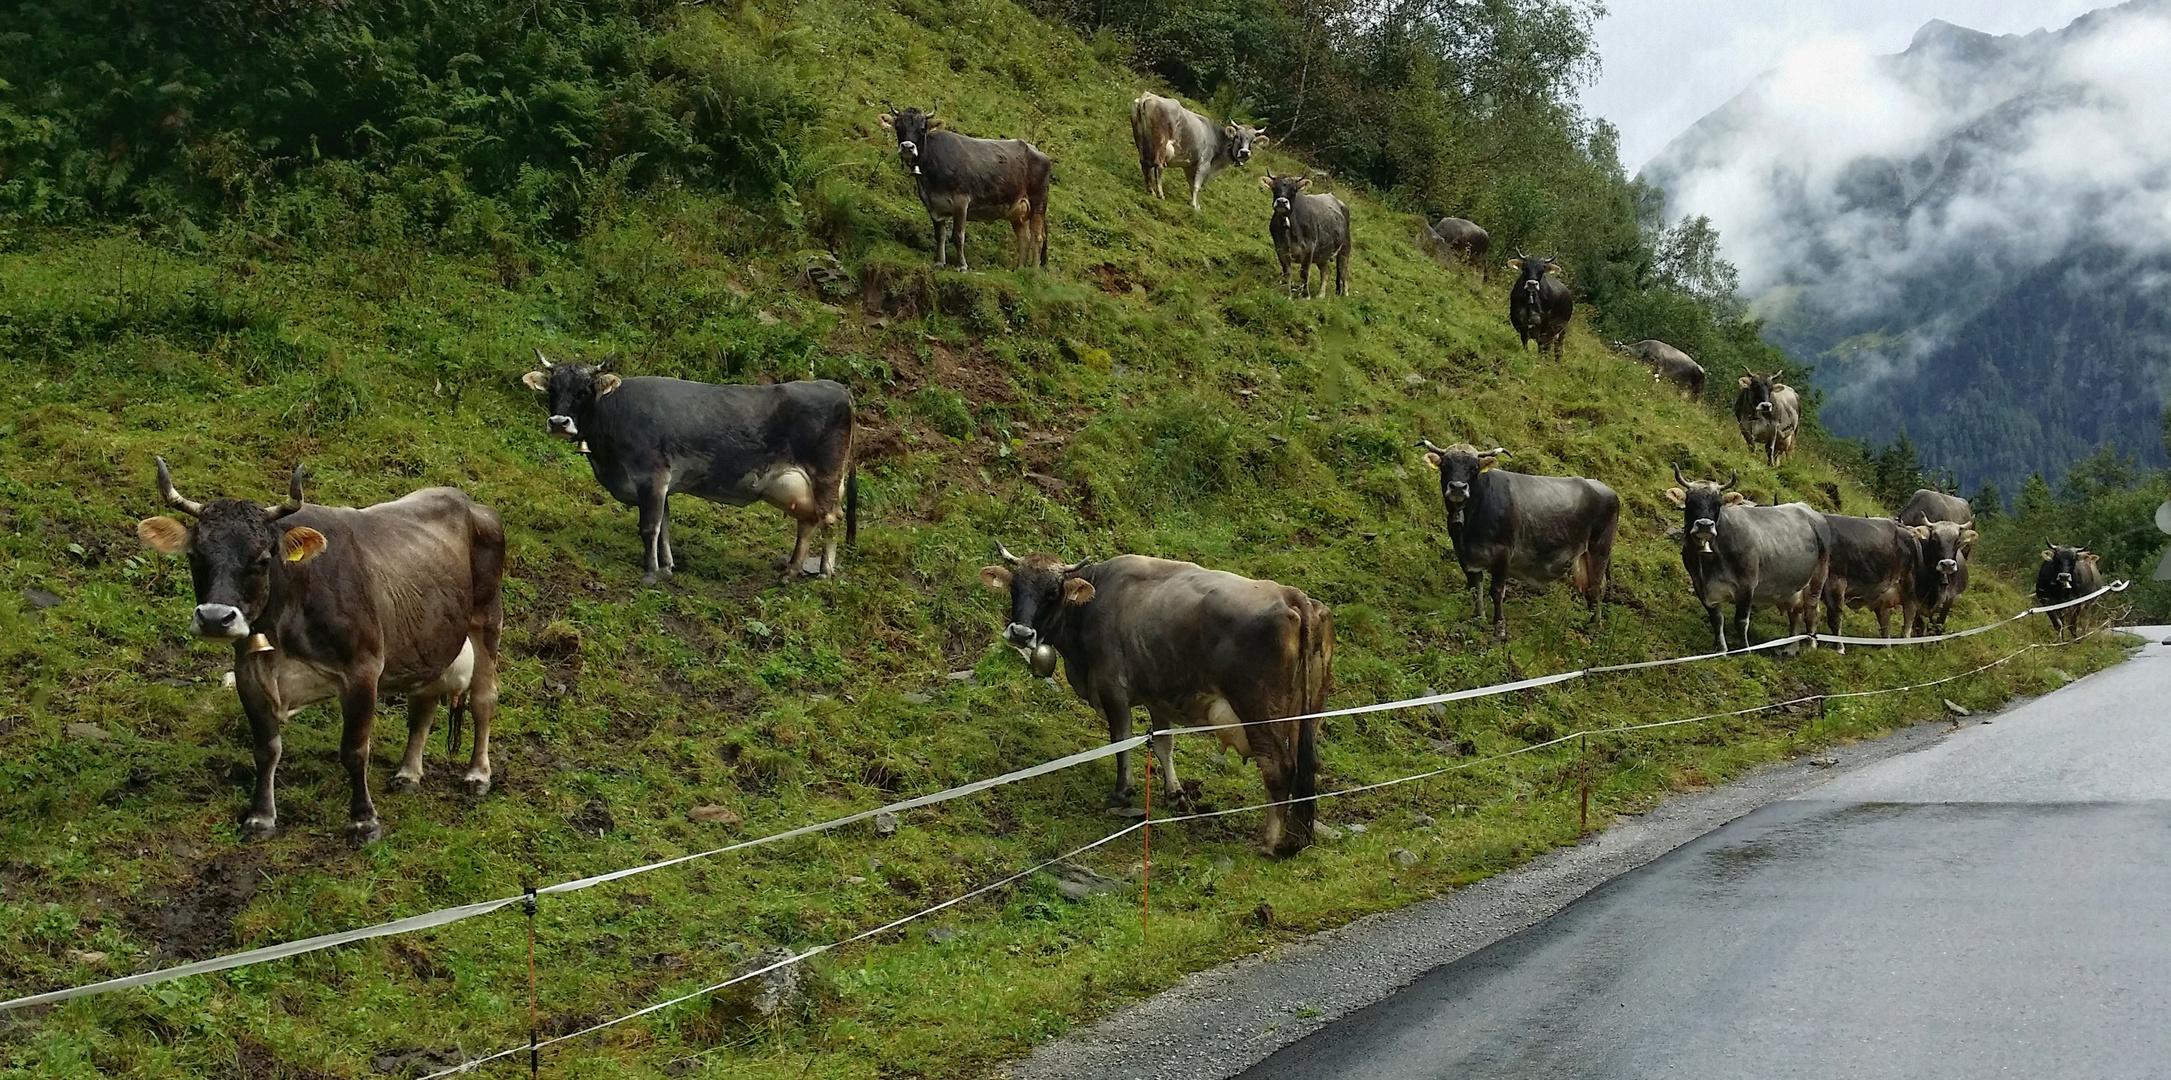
x=369 y=311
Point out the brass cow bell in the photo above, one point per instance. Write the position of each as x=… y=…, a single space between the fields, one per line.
x=258 y=643
x=1042 y=661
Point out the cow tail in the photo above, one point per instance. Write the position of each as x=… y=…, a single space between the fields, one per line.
x=1142 y=134
x=455 y=713
x=851 y=505
x=1315 y=629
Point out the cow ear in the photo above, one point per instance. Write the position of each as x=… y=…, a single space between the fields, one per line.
x=607 y=382
x=1922 y=532
x=1967 y=538
x=1432 y=460
x=1516 y=264
x=163 y=534
x=301 y=544
x=1742 y=382
x=2046 y=556
x=1077 y=591
x=1229 y=130
x=1260 y=139
x=933 y=124
x=1486 y=464
x=995 y=578
x=1733 y=498
x=1677 y=496
x=1267 y=182
x=1776 y=387
x=888 y=122
x=1304 y=183
x=1552 y=269
x=536 y=381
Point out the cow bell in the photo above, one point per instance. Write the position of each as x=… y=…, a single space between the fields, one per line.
x=258 y=643
x=1042 y=661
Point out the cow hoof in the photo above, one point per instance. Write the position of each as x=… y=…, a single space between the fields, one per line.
x=258 y=828
x=402 y=784
x=648 y=579
x=476 y=786
x=1500 y=634
x=360 y=833
x=1120 y=800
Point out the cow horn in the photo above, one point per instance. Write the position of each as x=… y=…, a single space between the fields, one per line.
x=1497 y=451
x=606 y=361
x=293 y=495
x=1072 y=568
x=2046 y=543
x=931 y=108
x=544 y=359
x=1730 y=479
x=174 y=498
x=1427 y=444
x=1677 y=477
x=1006 y=555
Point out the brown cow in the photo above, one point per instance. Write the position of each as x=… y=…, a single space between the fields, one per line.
x=1874 y=563
x=325 y=602
x=1194 y=646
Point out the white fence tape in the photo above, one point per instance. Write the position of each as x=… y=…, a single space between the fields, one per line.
x=444 y=916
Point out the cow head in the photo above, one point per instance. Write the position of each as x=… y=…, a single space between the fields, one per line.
x=1700 y=501
x=1041 y=586
x=1945 y=546
x=1284 y=189
x=1531 y=272
x=1238 y=141
x=1757 y=390
x=234 y=549
x=911 y=127
x=2064 y=562
x=1459 y=466
x=573 y=390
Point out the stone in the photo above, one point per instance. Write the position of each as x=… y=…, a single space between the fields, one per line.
x=39 y=599
x=1436 y=708
x=960 y=676
x=2063 y=675
x=854 y=879
x=885 y=823
x=1324 y=831
x=78 y=956
x=1824 y=762
x=1355 y=830
x=714 y=815
x=1423 y=821
x=940 y=934
x=1413 y=379
x=766 y=995
x=918 y=698
x=1080 y=882
x=766 y=317
x=80 y=730
x=1402 y=857
x=1445 y=746
x=1958 y=709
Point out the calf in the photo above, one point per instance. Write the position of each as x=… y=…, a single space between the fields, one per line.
x=1737 y=551
x=1169 y=134
x=1669 y=364
x=324 y=602
x=646 y=439
x=1769 y=413
x=1461 y=239
x=962 y=179
x=2067 y=573
x=1308 y=230
x=1194 y=646
x=1541 y=305
x=1874 y=563
x=1535 y=529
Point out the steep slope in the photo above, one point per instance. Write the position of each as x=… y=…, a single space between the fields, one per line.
x=1155 y=391
x=1965 y=238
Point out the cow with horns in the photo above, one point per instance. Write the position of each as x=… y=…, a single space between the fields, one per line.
x=327 y=602
x=1737 y=551
x=1249 y=658
x=1535 y=529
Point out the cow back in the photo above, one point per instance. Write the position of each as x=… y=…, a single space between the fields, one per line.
x=1174 y=630
x=1768 y=553
x=993 y=173
x=1927 y=506
x=1528 y=523
x=1871 y=556
x=708 y=439
x=1318 y=226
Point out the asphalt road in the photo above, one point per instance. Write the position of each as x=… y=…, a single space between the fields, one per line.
x=1995 y=904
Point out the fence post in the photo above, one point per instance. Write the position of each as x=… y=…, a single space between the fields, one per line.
x=1585 y=768
x=535 y=1061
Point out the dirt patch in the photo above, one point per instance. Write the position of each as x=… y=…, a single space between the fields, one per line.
x=253 y=1060
x=1115 y=280
x=414 y=1061
x=192 y=922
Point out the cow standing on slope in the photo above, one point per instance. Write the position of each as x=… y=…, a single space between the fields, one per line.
x=1536 y=529
x=1669 y=364
x=1769 y=413
x=1309 y=230
x=1541 y=304
x=1169 y=134
x=2067 y=573
x=646 y=439
x=1943 y=526
x=325 y=602
x=1461 y=239
x=963 y=179
x=1736 y=551
x=1874 y=565
x=1194 y=646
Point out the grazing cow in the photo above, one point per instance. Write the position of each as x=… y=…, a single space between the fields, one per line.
x=1459 y=238
x=2067 y=573
x=1926 y=506
x=786 y=444
x=1541 y=304
x=1874 y=566
x=1194 y=646
x=962 y=179
x=1940 y=572
x=1737 y=551
x=1308 y=230
x=1669 y=364
x=326 y=602
x=1536 y=529
x=1169 y=134
x=1770 y=414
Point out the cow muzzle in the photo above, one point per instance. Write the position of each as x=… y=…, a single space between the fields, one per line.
x=1763 y=408
x=1948 y=567
x=1705 y=532
x=2065 y=581
x=563 y=427
x=219 y=622
x=1022 y=636
x=910 y=151
x=1457 y=491
x=1281 y=206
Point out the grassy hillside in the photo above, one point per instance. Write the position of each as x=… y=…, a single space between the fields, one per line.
x=1154 y=392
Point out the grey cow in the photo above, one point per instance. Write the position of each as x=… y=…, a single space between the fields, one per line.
x=1169 y=134
x=1669 y=364
x=1460 y=238
x=963 y=179
x=1926 y=506
x=1735 y=551
x=1940 y=572
x=1541 y=304
x=1874 y=566
x=1308 y=230
x=1769 y=413
x=1535 y=529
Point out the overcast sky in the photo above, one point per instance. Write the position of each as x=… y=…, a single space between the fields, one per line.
x=1668 y=62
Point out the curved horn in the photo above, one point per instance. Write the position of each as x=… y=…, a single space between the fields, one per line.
x=1427 y=444
x=174 y=498
x=606 y=361
x=1677 y=477
x=293 y=495
x=2048 y=544
x=545 y=360
x=1730 y=479
x=931 y=109
x=1072 y=568
x=1006 y=555
x=1497 y=451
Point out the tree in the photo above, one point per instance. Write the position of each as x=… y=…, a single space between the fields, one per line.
x=1987 y=503
x=2035 y=498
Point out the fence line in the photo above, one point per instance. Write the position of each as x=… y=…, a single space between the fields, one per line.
x=458 y=913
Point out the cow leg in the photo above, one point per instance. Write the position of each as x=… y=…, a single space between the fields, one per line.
x=1718 y=625
x=1115 y=707
x=667 y=562
x=957 y=233
x=421 y=710
x=1884 y=623
x=651 y=503
x=1476 y=581
x=1500 y=599
x=1341 y=274
x=482 y=704
x=358 y=710
x=942 y=242
x=1164 y=753
x=263 y=816
x=1198 y=180
x=1741 y=617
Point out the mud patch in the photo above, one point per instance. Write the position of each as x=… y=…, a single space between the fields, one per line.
x=414 y=1061
x=254 y=1060
x=192 y=922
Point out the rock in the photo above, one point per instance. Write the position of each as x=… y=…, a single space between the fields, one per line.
x=80 y=730
x=78 y=956
x=1413 y=379
x=960 y=676
x=1445 y=746
x=766 y=317
x=1079 y=882
x=940 y=934
x=854 y=879
x=714 y=815
x=885 y=823
x=1324 y=831
x=2063 y=676
x=39 y=599
x=1354 y=830
x=1402 y=857
x=1958 y=709
x=1436 y=708
x=918 y=698
x=1051 y=486
x=1224 y=864
x=1280 y=440
x=1824 y=762
x=1423 y=821
x=765 y=996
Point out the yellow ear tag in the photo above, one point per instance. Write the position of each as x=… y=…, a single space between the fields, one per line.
x=298 y=554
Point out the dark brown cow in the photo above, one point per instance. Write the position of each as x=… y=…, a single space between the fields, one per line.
x=1873 y=566
x=1769 y=413
x=1194 y=646
x=963 y=179
x=1541 y=305
x=325 y=602
x=2067 y=573
x=1940 y=572
x=1535 y=529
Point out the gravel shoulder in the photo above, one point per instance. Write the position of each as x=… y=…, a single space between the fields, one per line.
x=1220 y=1022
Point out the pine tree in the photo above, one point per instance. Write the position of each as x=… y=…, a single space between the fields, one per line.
x=1988 y=504
x=2035 y=497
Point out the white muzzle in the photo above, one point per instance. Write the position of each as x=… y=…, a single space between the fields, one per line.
x=219 y=622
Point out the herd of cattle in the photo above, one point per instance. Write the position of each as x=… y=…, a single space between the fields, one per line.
x=404 y=598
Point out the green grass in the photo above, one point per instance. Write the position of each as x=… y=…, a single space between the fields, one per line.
x=1188 y=408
